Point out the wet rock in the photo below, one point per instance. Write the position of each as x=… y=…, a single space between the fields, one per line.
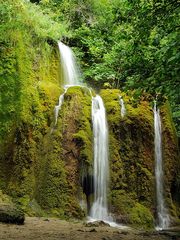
x=80 y=230
x=124 y=232
x=93 y=230
x=173 y=234
x=11 y=214
x=46 y=220
x=122 y=219
x=97 y=224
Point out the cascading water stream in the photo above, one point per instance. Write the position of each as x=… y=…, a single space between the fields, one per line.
x=123 y=109
x=71 y=71
x=58 y=107
x=71 y=74
x=99 y=209
x=162 y=214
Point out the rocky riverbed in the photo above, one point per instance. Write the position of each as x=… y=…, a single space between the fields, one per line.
x=55 y=229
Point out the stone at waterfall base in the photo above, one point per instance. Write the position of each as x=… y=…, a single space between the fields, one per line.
x=11 y=214
x=97 y=224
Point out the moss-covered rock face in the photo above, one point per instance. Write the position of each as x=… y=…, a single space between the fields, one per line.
x=41 y=165
x=44 y=165
x=171 y=161
x=47 y=169
x=141 y=217
x=77 y=140
x=131 y=154
x=68 y=153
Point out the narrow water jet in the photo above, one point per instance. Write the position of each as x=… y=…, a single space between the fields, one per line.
x=123 y=109
x=58 y=107
x=162 y=213
x=99 y=209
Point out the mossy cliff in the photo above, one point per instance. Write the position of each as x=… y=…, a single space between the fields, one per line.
x=43 y=166
x=47 y=169
x=29 y=93
x=131 y=154
x=40 y=164
x=171 y=161
x=77 y=140
x=68 y=152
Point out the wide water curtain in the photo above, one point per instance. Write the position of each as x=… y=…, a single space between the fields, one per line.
x=99 y=208
x=163 y=217
x=71 y=71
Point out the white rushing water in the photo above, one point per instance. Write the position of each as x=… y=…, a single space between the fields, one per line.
x=99 y=209
x=71 y=71
x=123 y=109
x=162 y=214
x=71 y=74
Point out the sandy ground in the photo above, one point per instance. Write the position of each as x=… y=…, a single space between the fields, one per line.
x=55 y=229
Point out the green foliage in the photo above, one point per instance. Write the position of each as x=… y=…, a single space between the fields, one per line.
x=29 y=82
x=130 y=44
x=5 y=198
x=25 y=58
x=24 y=16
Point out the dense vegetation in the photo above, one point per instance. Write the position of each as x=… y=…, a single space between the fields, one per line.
x=131 y=45
x=25 y=55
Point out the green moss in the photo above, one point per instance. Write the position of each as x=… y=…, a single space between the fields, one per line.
x=141 y=217
x=34 y=169
x=26 y=63
x=131 y=153
x=5 y=198
x=123 y=203
x=171 y=160
x=128 y=211
x=35 y=79
x=131 y=148
x=77 y=142
x=59 y=183
x=83 y=132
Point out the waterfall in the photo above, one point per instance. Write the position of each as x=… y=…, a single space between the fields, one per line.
x=99 y=209
x=71 y=74
x=71 y=71
x=163 y=217
x=123 y=109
